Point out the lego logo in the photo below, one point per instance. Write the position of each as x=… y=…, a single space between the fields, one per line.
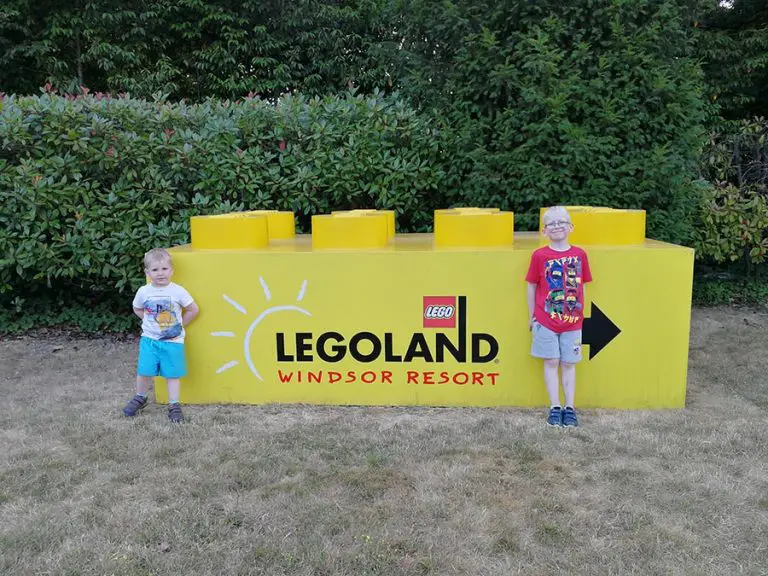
x=439 y=312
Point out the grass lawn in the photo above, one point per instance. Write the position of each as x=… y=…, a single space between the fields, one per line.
x=352 y=491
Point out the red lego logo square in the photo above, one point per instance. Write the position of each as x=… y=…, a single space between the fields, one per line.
x=439 y=312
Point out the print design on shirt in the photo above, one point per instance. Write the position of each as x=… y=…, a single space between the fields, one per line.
x=563 y=277
x=161 y=311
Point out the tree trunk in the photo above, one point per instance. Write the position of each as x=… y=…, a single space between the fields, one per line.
x=79 y=57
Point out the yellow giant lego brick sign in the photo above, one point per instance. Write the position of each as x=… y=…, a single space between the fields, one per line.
x=412 y=323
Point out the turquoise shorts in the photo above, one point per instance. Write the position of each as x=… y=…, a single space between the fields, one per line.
x=158 y=358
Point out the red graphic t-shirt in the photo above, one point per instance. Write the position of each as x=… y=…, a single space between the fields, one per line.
x=559 y=279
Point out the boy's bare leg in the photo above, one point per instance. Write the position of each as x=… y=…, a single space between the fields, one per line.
x=174 y=384
x=550 y=379
x=143 y=384
x=137 y=403
x=569 y=382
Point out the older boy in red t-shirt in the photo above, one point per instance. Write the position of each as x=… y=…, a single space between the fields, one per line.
x=556 y=278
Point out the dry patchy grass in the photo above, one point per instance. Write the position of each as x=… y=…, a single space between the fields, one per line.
x=353 y=491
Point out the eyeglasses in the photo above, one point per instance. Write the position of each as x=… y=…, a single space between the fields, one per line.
x=558 y=224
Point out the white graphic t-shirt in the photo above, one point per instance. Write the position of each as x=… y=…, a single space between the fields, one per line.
x=162 y=307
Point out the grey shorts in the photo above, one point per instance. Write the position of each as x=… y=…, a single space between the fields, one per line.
x=548 y=344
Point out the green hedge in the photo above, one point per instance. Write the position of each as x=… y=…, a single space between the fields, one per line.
x=537 y=102
x=508 y=104
x=732 y=224
x=578 y=102
x=89 y=184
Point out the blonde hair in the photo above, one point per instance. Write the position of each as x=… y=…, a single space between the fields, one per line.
x=553 y=212
x=156 y=255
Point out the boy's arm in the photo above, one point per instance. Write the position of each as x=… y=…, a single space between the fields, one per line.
x=531 y=293
x=138 y=303
x=190 y=312
x=586 y=279
x=532 y=279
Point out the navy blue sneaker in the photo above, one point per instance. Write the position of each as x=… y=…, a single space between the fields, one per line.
x=555 y=416
x=569 y=417
x=136 y=404
x=174 y=413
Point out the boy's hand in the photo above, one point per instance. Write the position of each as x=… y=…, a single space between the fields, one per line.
x=190 y=312
x=531 y=296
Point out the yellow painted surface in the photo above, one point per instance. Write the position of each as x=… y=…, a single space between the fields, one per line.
x=473 y=228
x=280 y=225
x=229 y=231
x=207 y=229
x=467 y=210
x=350 y=230
x=598 y=225
x=284 y=297
x=390 y=214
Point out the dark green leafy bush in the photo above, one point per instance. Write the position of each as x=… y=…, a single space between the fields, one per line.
x=732 y=223
x=88 y=184
x=581 y=102
x=508 y=104
x=734 y=226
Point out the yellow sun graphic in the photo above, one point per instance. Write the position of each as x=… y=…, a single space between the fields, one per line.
x=261 y=316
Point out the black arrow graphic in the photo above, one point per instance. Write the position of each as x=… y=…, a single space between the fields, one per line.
x=598 y=331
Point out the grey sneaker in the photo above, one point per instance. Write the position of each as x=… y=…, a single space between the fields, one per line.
x=136 y=404
x=174 y=413
x=555 y=416
x=569 y=417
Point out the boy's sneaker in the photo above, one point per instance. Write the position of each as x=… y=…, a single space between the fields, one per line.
x=555 y=416
x=174 y=413
x=569 y=417
x=136 y=404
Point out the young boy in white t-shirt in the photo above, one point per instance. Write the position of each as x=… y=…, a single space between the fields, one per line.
x=165 y=309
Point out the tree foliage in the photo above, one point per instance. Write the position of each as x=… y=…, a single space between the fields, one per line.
x=508 y=103
x=191 y=49
x=733 y=46
x=583 y=102
x=732 y=223
x=536 y=102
